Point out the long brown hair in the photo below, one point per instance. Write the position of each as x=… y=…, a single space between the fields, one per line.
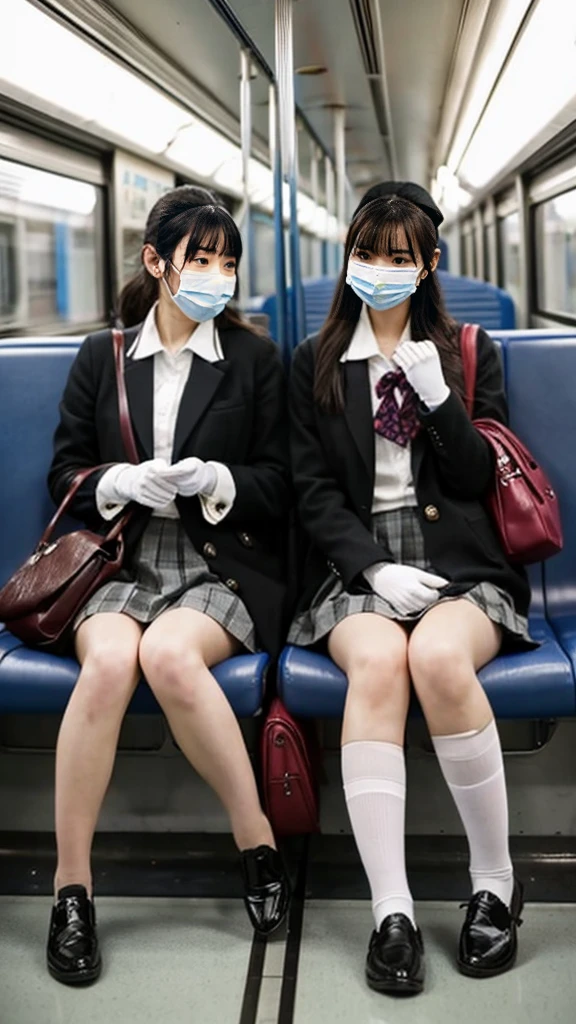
x=377 y=227
x=187 y=210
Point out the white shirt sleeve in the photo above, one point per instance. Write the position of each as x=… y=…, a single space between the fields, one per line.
x=216 y=506
x=106 y=496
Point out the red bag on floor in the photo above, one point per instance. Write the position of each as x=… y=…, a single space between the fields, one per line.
x=289 y=773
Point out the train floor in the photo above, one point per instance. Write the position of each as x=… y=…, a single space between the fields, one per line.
x=192 y=960
x=177 y=946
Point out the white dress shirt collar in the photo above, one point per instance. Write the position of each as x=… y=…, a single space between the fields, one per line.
x=203 y=342
x=363 y=344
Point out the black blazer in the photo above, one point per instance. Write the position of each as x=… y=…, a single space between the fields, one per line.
x=452 y=466
x=232 y=411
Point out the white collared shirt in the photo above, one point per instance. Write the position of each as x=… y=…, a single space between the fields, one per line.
x=393 y=484
x=171 y=371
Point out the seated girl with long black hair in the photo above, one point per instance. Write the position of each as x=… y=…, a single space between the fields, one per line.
x=406 y=580
x=204 y=575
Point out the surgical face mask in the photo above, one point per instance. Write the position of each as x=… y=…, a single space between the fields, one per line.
x=202 y=295
x=381 y=287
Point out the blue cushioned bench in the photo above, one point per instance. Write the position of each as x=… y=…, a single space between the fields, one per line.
x=33 y=373
x=468 y=301
x=540 y=374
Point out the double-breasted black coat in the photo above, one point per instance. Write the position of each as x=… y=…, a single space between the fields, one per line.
x=452 y=466
x=232 y=411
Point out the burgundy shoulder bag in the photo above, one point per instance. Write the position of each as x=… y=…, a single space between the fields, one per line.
x=522 y=502
x=40 y=601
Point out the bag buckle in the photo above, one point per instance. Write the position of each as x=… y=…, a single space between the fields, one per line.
x=287 y=785
x=44 y=549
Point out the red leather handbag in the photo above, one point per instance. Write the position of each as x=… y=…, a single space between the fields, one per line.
x=289 y=773
x=40 y=601
x=522 y=502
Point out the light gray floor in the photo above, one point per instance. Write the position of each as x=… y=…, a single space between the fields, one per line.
x=540 y=990
x=177 y=961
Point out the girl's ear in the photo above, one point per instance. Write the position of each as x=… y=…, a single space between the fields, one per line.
x=152 y=261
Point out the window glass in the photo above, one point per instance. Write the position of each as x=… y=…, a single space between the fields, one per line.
x=264 y=255
x=469 y=254
x=556 y=254
x=51 y=250
x=509 y=240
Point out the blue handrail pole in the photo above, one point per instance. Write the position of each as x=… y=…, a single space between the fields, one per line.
x=279 y=252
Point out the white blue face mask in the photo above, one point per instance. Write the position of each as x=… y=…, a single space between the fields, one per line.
x=202 y=295
x=381 y=287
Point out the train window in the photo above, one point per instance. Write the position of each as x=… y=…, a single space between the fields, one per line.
x=509 y=242
x=469 y=251
x=263 y=255
x=51 y=249
x=555 y=223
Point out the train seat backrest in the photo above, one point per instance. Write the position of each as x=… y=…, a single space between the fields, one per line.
x=541 y=376
x=32 y=379
x=468 y=301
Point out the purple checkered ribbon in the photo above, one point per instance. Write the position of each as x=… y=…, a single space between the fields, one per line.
x=399 y=423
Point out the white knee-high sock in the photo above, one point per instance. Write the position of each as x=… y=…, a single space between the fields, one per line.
x=473 y=767
x=374 y=776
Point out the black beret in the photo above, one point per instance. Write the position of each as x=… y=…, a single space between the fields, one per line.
x=405 y=190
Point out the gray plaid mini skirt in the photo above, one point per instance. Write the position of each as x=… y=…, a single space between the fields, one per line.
x=400 y=531
x=166 y=572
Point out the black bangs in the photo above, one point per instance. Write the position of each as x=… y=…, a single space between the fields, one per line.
x=213 y=230
x=386 y=226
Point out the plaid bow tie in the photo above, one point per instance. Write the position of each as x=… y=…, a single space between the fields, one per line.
x=399 y=423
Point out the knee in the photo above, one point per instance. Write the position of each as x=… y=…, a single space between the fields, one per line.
x=170 y=666
x=439 y=668
x=378 y=675
x=109 y=676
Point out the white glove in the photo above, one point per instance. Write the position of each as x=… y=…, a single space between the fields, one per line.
x=421 y=364
x=145 y=483
x=192 y=476
x=406 y=588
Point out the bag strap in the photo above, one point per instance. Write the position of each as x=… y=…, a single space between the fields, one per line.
x=127 y=439
x=469 y=353
x=124 y=412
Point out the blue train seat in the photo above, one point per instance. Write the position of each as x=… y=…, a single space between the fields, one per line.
x=468 y=301
x=542 y=376
x=536 y=684
x=32 y=377
x=477 y=302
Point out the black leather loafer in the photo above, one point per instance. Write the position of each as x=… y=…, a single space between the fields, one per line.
x=266 y=888
x=395 y=963
x=73 y=955
x=489 y=936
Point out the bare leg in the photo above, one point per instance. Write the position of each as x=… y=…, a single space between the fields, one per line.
x=372 y=652
x=448 y=646
x=107 y=648
x=176 y=654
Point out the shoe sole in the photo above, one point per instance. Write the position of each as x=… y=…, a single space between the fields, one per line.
x=82 y=978
x=395 y=988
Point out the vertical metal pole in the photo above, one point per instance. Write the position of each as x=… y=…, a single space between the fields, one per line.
x=246 y=143
x=340 y=151
x=330 y=208
x=287 y=125
x=315 y=188
x=524 y=255
x=280 y=329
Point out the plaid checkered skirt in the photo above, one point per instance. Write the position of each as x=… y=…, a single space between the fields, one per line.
x=166 y=572
x=400 y=531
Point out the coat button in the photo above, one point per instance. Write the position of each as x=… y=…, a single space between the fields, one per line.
x=209 y=551
x=246 y=540
x=233 y=585
x=431 y=513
